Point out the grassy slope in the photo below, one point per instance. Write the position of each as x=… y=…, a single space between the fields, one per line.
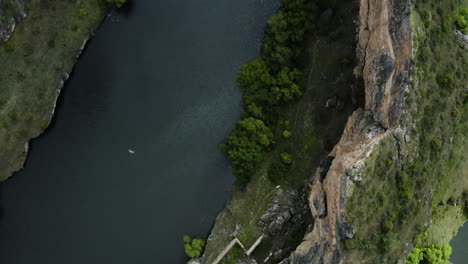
x=315 y=130
x=432 y=172
x=33 y=62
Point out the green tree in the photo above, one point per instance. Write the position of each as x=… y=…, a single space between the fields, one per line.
x=260 y=88
x=286 y=158
x=255 y=82
x=194 y=247
x=286 y=32
x=435 y=254
x=245 y=146
x=461 y=20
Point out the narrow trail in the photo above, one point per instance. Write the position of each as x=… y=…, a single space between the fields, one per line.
x=232 y=244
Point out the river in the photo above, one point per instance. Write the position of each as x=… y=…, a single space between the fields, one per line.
x=160 y=81
x=460 y=246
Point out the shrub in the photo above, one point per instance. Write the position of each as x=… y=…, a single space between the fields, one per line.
x=435 y=254
x=286 y=158
x=277 y=171
x=9 y=46
x=405 y=189
x=194 y=247
x=245 y=146
x=445 y=80
x=461 y=20
x=83 y=12
x=286 y=133
x=390 y=241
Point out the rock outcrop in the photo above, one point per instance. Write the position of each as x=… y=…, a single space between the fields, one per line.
x=11 y=13
x=384 y=56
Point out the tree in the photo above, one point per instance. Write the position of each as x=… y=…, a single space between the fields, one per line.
x=194 y=247
x=286 y=133
x=435 y=254
x=286 y=158
x=260 y=88
x=286 y=32
x=255 y=82
x=245 y=146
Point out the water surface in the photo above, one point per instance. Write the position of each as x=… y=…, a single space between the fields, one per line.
x=160 y=81
x=460 y=246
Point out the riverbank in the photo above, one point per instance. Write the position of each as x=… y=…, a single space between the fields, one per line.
x=163 y=86
x=390 y=186
x=34 y=64
x=279 y=210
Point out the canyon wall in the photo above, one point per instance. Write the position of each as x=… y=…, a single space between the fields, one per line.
x=384 y=61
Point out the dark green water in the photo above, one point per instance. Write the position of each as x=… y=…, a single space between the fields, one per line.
x=460 y=246
x=161 y=81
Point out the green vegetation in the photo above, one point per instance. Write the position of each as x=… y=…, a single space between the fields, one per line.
x=436 y=254
x=245 y=146
x=28 y=90
x=461 y=20
x=194 y=247
x=314 y=130
x=286 y=158
x=83 y=12
x=428 y=179
x=268 y=82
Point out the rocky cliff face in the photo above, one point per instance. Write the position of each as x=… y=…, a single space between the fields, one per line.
x=11 y=13
x=385 y=56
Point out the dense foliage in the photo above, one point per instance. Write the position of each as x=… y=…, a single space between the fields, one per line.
x=194 y=247
x=286 y=32
x=268 y=82
x=436 y=254
x=261 y=88
x=461 y=20
x=245 y=146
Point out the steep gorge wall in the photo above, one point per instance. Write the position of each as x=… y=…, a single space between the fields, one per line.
x=384 y=55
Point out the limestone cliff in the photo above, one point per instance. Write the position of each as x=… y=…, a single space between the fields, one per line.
x=383 y=135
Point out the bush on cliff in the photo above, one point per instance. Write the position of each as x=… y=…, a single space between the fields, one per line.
x=194 y=247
